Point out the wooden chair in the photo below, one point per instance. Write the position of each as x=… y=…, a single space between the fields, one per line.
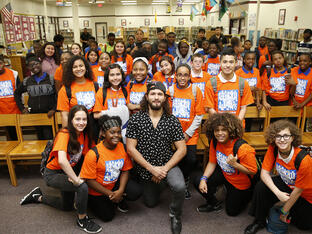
x=7 y=146
x=284 y=112
x=58 y=121
x=256 y=139
x=203 y=143
x=306 y=136
x=28 y=152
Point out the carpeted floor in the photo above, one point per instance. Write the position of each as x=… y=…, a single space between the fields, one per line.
x=38 y=218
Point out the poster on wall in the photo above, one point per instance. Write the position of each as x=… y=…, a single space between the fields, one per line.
x=18 y=28
x=9 y=31
x=32 y=29
x=25 y=28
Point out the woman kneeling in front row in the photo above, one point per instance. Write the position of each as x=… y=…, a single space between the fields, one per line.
x=234 y=171
x=292 y=187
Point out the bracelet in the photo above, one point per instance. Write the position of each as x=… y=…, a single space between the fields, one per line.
x=284 y=212
x=204 y=178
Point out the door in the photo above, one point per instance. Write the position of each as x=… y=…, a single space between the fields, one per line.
x=101 y=32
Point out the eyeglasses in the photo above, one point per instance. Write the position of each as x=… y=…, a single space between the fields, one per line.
x=285 y=137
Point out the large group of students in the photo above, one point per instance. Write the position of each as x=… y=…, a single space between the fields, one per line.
x=123 y=107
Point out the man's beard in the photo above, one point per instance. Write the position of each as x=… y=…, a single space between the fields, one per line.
x=155 y=107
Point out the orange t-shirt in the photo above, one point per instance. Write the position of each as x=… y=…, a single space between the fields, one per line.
x=212 y=66
x=61 y=143
x=107 y=168
x=263 y=51
x=185 y=108
x=200 y=81
x=98 y=75
x=156 y=58
x=126 y=66
x=304 y=87
x=252 y=77
x=227 y=97
x=137 y=92
x=246 y=156
x=112 y=96
x=58 y=75
x=8 y=81
x=275 y=86
x=167 y=81
x=82 y=94
x=262 y=59
x=287 y=171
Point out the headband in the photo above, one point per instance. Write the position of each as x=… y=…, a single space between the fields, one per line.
x=108 y=124
x=185 y=41
x=141 y=58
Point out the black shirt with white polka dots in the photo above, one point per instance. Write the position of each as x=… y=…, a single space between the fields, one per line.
x=155 y=144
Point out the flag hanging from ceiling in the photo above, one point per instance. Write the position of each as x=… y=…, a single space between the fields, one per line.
x=155 y=16
x=207 y=6
x=223 y=7
x=7 y=12
x=194 y=12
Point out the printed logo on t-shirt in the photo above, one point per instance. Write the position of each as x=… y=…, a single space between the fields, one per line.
x=287 y=175
x=157 y=66
x=227 y=100
x=221 y=159
x=301 y=87
x=6 y=89
x=86 y=98
x=136 y=97
x=278 y=84
x=100 y=81
x=181 y=108
x=74 y=159
x=213 y=69
x=252 y=81
x=201 y=86
x=123 y=66
x=112 y=170
x=120 y=102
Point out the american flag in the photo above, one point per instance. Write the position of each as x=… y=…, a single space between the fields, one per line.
x=7 y=12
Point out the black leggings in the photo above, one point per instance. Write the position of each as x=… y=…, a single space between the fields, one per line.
x=263 y=199
x=104 y=208
x=236 y=200
x=188 y=163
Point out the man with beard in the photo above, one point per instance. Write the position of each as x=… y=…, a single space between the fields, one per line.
x=150 y=136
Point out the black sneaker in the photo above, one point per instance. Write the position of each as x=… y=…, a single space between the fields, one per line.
x=210 y=207
x=123 y=206
x=188 y=194
x=88 y=225
x=32 y=197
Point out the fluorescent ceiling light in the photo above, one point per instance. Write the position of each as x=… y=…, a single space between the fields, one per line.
x=128 y=1
x=100 y=2
x=159 y=3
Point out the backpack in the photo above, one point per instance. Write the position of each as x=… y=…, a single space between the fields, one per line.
x=45 y=155
x=69 y=94
x=305 y=150
x=95 y=150
x=132 y=79
x=241 y=84
x=123 y=89
x=194 y=91
x=256 y=177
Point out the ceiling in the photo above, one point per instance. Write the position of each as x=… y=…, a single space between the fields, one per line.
x=124 y=2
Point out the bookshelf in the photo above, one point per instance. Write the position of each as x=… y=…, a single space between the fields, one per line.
x=68 y=35
x=289 y=41
x=182 y=32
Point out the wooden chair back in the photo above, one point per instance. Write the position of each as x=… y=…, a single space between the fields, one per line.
x=284 y=112
x=307 y=113
x=58 y=121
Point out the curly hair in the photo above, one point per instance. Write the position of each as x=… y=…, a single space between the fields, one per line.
x=124 y=54
x=106 y=83
x=68 y=75
x=274 y=128
x=55 y=56
x=229 y=121
x=73 y=144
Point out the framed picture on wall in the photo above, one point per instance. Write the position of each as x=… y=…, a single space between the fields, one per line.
x=123 y=22
x=86 y=23
x=181 y=21
x=281 y=16
x=147 y=22
x=65 y=23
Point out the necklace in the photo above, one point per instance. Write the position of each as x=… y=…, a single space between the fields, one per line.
x=114 y=99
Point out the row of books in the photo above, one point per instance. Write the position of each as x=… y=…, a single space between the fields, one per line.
x=282 y=33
